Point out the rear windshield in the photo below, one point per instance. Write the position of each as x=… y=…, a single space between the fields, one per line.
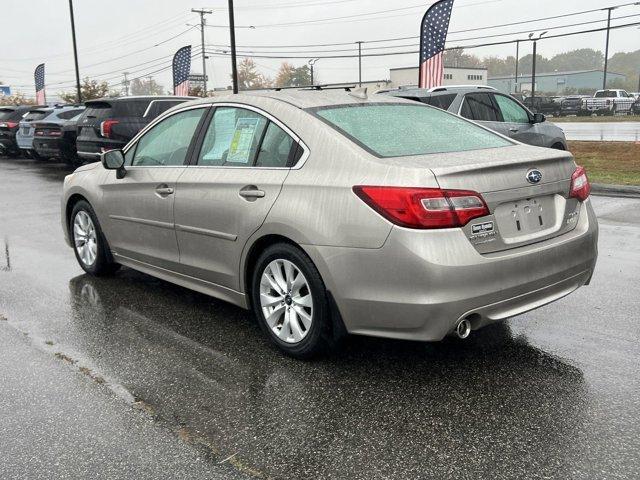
x=606 y=94
x=6 y=114
x=99 y=110
x=36 y=115
x=396 y=130
x=126 y=108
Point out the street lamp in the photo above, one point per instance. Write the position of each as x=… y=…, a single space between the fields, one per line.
x=311 y=63
x=533 y=65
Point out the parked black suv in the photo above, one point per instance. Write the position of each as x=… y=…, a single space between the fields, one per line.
x=10 y=116
x=57 y=140
x=544 y=105
x=109 y=123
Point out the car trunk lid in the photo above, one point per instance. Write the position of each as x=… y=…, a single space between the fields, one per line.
x=522 y=210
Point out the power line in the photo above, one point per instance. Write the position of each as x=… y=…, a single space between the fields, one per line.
x=384 y=54
x=384 y=47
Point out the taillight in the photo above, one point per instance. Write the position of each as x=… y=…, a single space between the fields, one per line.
x=580 y=186
x=8 y=124
x=106 y=126
x=424 y=207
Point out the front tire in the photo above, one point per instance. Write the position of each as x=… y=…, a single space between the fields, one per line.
x=89 y=244
x=290 y=301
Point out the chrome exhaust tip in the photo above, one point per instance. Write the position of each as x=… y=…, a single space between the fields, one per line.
x=463 y=328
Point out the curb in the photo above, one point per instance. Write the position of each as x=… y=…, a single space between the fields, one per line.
x=615 y=190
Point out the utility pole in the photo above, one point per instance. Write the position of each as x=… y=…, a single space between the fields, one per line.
x=75 y=52
x=232 y=33
x=359 y=63
x=203 y=22
x=312 y=62
x=606 y=48
x=517 y=58
x=125 y=83
x=533 y=66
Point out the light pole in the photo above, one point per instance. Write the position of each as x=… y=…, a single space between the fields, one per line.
x=359 y=63
x=517 y=57
x=312 y=62
x=606 y=47
x=232 y=33
x=533 y=65
x=75 y=52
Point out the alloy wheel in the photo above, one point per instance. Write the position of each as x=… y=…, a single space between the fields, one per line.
x=85 y=238
x=285 y=298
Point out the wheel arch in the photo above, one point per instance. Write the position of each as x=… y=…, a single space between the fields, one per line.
x=338 y=329
x=71 y=202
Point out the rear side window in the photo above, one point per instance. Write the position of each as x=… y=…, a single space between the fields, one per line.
x=130 y=108
x=98 y=110
x=396 y=130
x=479 y=107
x=275 y=149
x=440 y=101
x=232 y=138
x=156 y=107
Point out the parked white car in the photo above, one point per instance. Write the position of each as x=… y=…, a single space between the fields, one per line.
x=609 y=102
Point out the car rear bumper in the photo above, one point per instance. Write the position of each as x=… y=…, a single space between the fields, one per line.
x=419 y=284
x=47 y=147
x=24 y=142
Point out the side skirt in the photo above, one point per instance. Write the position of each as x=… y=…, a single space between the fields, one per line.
x=202 y=286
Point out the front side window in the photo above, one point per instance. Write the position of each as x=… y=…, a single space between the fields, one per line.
x=400 y=129
x=479 y=107
x=167 y=143
x=511 y=111
x=232 y=138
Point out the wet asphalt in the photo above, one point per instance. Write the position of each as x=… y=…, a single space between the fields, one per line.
x=136 y=378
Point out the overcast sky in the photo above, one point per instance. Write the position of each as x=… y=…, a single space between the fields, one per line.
x=122 y=35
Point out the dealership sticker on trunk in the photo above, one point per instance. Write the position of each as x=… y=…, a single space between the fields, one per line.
x=482 y=233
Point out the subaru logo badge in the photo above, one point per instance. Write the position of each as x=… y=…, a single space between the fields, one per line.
x=534 y=176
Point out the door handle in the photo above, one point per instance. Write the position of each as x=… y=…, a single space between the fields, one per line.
x=513 y=129
x=251 y=192
x=164 y=190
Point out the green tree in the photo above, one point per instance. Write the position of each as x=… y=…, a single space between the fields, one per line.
x=146 y=87
x=90 y=90
x=290 y=76
x=627 y=63
x=497 y=66
x=249 y=77
x=581 y=59
x=17 y=99
x=457 y=58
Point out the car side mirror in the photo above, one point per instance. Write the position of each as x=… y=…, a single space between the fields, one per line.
x=114 y=160
x=539 y=118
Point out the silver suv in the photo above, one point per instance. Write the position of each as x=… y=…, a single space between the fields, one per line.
x=327 y=211
x=497 y=111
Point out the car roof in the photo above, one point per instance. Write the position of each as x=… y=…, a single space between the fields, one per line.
x=443 y=90
x=138 y=97
x=303 y=98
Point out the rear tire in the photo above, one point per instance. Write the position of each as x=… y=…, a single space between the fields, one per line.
x=89 y=244
x=290 y=302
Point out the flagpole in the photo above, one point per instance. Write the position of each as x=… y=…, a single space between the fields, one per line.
x=75 y=52
x=232 y=33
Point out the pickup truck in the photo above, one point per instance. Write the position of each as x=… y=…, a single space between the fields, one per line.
x=609 y=102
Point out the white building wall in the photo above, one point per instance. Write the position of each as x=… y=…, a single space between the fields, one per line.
x=452 y=76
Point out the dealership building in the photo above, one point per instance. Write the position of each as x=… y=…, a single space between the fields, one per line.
x=554 y=81
x=452 y=76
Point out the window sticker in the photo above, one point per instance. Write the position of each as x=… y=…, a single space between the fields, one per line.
x=242 y=140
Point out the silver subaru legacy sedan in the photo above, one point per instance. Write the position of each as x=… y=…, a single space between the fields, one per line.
x=330 y=212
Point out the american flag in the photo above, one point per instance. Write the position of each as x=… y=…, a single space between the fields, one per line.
x=181 y=70
x=433 y=36
x=41 y=98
